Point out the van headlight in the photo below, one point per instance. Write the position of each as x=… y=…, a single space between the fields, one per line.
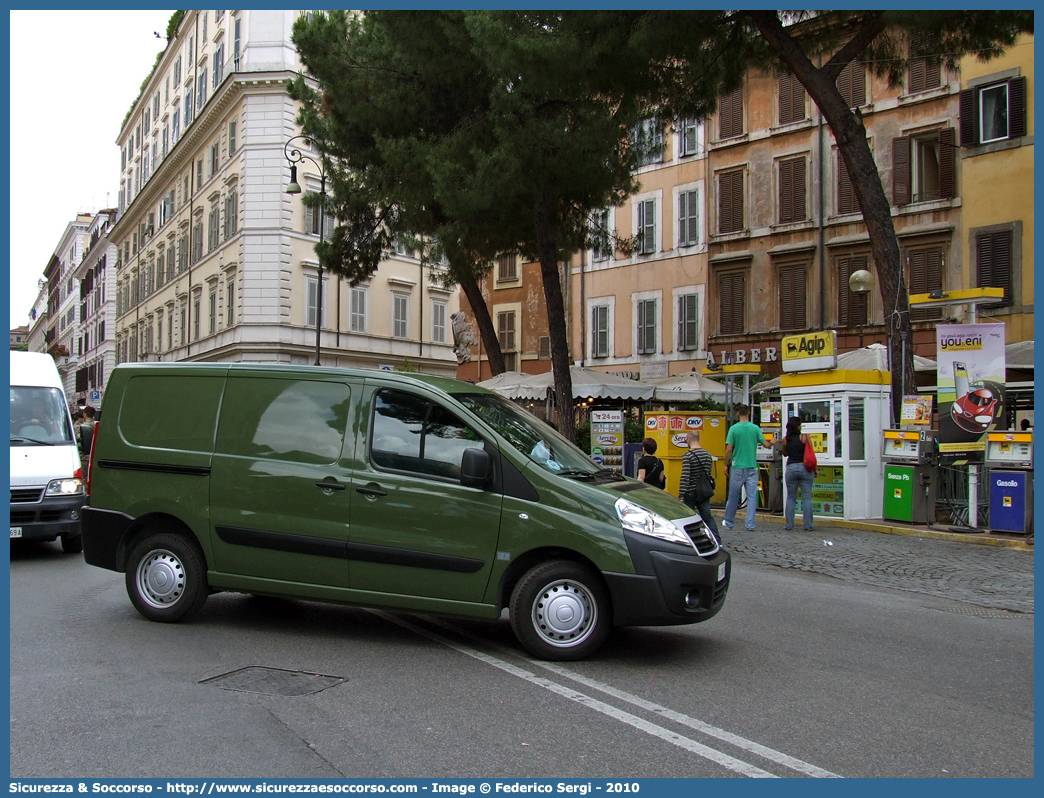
x=64 y=487
x=645 y=522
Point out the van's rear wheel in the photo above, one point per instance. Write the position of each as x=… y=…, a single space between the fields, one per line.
x=560 y=610
x=166 y=578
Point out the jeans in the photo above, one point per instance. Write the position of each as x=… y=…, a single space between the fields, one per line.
x=739 y=479
x=796 y=476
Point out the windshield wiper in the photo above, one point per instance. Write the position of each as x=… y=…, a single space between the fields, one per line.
x=32 y=440
x=575 y=472
x=612 y=474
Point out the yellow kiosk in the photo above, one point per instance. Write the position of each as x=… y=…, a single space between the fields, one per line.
x=669 y=428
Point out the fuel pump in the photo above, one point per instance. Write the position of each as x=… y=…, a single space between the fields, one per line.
x=911 y=475
x=1009 y=456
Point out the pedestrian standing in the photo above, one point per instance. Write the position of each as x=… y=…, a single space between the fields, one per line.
x=696 y=463
x=741 y=456
x=650 y=467
x=796 y=475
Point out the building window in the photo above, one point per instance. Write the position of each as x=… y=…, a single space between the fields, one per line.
x=311 y=298
x=923 y=167
x=645 y=243
x=212 y=311
x=357 y=311
x=688 y=323
x=690 y=137
x=847 y=201
x=438 y=322
x=646 y=312
x=600 y=331
x=219 y=63
x=231 y=213
x=730 y=114
x=506 y=331
x=993 y=113
x=791 y=99
x=925 y=266
x=214 y=228
x=184 y=324
x=853 y=310
x=197 y=240
x=213 y=158
x=647 y=141
x=232 y=142
x=230 y=301
x=196 y=301
x=994 y=260
x=601 y=236
x=792 y=190
x=925 y=74
x=202 y=88
x=312 y=216
x=689 y=218
x=400 y=315
x=732 y=295
x=793 y=298
x=851 y=83
x=730 y=201
x=507 y=270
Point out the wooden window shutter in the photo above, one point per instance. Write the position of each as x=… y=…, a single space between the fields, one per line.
x=847 y=201
x=736 y=178
x=732 y=287
x=792 y=190
x=901 y=170
x=994 y=258
x=725 y=203
x=785 y=110
x=851 y=84
x=969 y=115
x=947 y=163
x=730 y=114
x=917 y=76
x=851 y=307
x=1016 y=108
x=925 y=276
x=792 y=298
x=932 y=73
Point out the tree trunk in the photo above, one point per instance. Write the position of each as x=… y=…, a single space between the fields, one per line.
x=850 y=135
x=556 y=315
x=487 y=332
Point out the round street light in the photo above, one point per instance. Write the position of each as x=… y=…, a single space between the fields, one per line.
x=861 y=282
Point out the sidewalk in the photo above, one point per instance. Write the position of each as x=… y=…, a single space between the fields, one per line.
x=937 y=531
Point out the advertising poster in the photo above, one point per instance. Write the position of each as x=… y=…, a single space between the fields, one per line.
x=607 y=438
x=917 y=411
x=771 y=414
x=971 y=365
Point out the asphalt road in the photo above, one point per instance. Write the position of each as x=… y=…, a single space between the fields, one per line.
x=881 y=672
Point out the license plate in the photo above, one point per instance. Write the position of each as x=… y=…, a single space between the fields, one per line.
x=721 y=572
x=16 y=531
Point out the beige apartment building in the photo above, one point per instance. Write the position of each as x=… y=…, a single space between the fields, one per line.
x=216 y=262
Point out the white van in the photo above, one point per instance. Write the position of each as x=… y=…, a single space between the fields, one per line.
x=46 y=478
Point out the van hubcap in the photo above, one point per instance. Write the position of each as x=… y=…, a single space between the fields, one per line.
x=161 y=578
x=564 y=613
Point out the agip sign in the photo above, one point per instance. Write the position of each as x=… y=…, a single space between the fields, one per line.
x=815 y=351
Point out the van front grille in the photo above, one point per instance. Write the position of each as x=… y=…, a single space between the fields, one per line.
x=22 y=517
x=720 y=590
x=702 y=539
x=25 y=495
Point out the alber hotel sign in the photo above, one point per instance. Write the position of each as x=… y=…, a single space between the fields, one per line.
x=810 y=351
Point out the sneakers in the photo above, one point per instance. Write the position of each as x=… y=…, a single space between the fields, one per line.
x=727 y=525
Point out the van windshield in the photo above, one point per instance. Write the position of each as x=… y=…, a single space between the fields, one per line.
x=39 y=416
x=535 y=438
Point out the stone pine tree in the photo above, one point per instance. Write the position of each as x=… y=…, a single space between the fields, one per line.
x=492 y=131
x=816 y=47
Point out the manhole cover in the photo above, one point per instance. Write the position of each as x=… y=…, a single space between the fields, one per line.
x=273 y=681
x=983 y=612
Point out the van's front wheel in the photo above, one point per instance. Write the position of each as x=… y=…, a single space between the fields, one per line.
x=166 y=579
x=560 y=610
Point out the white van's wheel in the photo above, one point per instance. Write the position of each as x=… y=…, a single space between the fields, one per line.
x=166 y=579
x=561 y=611
x=72 y=544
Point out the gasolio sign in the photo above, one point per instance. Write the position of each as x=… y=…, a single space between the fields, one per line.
x=815 y=351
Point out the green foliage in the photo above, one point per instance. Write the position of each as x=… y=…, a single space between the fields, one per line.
x=406 y=366
x=634 y=429
x=172 y=29
x=583 y=436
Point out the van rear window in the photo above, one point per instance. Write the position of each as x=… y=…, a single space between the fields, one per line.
x=171 y=412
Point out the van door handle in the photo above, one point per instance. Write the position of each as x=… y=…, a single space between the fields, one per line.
x=330 y=485
x=371 y=491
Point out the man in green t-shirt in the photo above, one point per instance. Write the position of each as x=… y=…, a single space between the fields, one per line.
x=741 y=454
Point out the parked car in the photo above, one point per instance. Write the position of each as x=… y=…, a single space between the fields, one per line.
x=47 y=491
x=384 y=490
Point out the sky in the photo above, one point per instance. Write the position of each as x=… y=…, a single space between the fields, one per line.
x=64 y=158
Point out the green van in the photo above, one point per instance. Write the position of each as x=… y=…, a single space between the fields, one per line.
x=386 y=490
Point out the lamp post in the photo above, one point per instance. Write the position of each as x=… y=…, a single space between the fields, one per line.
x=294 y=156
x=861 y=282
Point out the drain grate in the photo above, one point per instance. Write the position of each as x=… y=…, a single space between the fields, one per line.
x=273 y=681
x=984 y=612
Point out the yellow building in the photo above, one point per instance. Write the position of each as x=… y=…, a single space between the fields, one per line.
x=996 y=152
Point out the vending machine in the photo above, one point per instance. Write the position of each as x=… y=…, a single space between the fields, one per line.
x=1009 y=456
x=910 y=475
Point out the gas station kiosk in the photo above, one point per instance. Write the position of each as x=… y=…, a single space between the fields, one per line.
x=842 y=411
x=1009 y=456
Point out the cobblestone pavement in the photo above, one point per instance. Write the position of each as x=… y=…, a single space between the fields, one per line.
x=983 y=576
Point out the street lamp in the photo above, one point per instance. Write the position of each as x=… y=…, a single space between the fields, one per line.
x=861 y=282
x=294 y=157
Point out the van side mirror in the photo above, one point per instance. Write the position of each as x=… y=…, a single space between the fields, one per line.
x=475 y=468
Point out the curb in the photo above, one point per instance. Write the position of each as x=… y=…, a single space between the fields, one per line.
x=980 y=538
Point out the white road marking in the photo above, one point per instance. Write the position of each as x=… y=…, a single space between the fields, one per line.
x=726 y=761
x=711 y=731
